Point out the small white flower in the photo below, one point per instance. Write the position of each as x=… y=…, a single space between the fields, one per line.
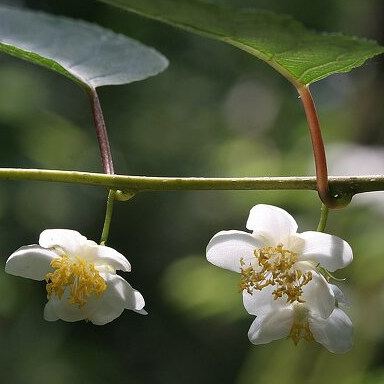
x=301 y=321
x=82 y=283
x=274 y=258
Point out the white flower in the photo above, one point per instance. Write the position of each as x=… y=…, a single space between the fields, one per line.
x=274 y=258
x=82 y=283
x=301 y=321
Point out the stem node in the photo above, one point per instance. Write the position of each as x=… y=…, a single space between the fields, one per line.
x=124 y=195
x=335 y=200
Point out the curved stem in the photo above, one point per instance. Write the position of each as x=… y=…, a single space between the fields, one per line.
x=101 y=132
x=329 y=199
x=108 y=216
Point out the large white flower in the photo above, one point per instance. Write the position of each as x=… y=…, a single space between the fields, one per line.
x=301 y=321
x=82 y=283
x=275 y=258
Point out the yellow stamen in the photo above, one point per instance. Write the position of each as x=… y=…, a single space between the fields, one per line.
x=275 y=266
x=79 y=275
x=300 y=327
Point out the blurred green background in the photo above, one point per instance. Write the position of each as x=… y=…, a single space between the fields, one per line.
x=215 y=112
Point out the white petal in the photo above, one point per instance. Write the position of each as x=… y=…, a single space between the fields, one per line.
x=261 y=301
x=121 y=293
x=70 y=241
x=118 y=296
x=329 y=251
x=49 y=313
x=31 y=261
x=335 y=333
x=105 y=317
x=102 y=255
x=318 y=296
x=339 y=296
x=226 y=248
x=271 y=326
x=141 y=311
x=63 y=310
x=271 y=223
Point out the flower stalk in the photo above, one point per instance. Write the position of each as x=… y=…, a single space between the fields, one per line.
x=323 y=218
x=108 y=216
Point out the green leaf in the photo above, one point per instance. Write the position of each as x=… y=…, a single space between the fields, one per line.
x=301 y=55
x=86 y=53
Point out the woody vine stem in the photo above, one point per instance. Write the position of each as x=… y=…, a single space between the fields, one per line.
x=334 y=191
x=131 y=185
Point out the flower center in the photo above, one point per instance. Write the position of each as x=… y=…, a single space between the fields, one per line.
x=300 y=327
x=275 y=266
x=79 y=275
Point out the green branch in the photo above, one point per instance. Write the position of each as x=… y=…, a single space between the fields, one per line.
x=342 y=186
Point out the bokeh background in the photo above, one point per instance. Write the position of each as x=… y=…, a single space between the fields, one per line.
x=215 y=112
